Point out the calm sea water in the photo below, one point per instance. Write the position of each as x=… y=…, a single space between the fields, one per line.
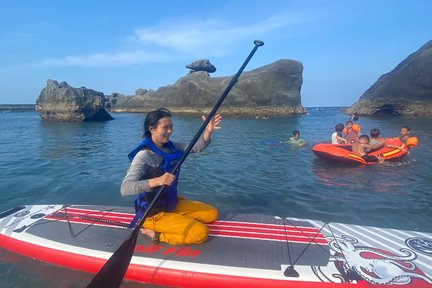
x=243 y=171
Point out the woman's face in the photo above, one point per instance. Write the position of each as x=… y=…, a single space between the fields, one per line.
x=162 y=131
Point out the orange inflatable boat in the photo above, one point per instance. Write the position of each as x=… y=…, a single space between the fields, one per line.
x=343 y=153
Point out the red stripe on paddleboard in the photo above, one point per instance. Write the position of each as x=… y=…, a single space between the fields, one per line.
x=97 y=222
x=278 y=230
x=123 y=216
x=112 y=214
x=159 y=275
x=79 y=211
x=120 y=215
x=279 y=234
x=284 y=238
x=245 y=233
x=263 y=225
x=220 y=228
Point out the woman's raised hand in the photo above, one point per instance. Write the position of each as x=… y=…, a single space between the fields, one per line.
x=214 y=123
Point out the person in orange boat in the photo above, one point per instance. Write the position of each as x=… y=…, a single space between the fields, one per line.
x=361 y=147
x=351 y=131
x=336 y=137
x=375 y=138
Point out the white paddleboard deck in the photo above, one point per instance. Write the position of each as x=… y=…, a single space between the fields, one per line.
x=243 y=250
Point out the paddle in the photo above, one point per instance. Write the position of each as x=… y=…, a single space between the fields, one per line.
x=113 y=271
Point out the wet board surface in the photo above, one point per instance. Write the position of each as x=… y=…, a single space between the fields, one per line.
x=242 y=250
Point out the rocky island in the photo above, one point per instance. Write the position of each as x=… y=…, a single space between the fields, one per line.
x=405 y=91
x=61 y=102
x=273 y=89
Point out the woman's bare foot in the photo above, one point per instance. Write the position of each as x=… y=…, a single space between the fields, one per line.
x=148 y=232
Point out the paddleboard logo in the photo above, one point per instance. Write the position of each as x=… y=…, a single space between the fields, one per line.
x=420 y=245
x=377 y=266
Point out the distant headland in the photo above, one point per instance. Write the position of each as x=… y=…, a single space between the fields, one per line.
x=17 y=107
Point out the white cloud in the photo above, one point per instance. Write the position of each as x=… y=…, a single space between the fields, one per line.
x=107 y=59
x=211 y=37
x=181 y=39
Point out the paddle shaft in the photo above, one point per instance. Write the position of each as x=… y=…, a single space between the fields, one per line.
x=112 y=272
x=216 y=107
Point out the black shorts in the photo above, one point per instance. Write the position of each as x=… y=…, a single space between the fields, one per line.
x=370 y=158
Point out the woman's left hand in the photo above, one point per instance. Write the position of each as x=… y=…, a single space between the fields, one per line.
x=214 y=123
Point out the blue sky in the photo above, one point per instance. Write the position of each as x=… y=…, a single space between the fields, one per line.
x=120 y=46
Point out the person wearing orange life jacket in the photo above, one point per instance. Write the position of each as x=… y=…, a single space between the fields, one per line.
x=404 y=134
x=351 y=131
x=404 y=137
x=410 y=141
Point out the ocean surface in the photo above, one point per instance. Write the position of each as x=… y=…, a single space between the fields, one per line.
x=244 y=170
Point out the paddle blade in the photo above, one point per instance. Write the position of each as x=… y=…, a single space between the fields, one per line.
x=118 y=262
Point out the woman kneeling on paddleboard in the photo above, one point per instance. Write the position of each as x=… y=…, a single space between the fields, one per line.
x=172 y=219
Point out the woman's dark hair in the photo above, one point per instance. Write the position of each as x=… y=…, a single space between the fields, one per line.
x=152 y=119
x=339 y=127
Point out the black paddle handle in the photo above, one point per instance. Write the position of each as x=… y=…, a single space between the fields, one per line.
x=112 y=272
x=233 y=81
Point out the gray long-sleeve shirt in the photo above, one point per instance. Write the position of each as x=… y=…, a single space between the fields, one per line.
x=146 y=163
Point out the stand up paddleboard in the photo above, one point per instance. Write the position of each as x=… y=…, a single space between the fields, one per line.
x=243 y=250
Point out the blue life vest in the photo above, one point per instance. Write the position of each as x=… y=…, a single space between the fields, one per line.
x=168 y=201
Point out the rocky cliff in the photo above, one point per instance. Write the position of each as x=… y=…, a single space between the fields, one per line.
x=273 y=89
x=407 y=90
x=61 y=102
